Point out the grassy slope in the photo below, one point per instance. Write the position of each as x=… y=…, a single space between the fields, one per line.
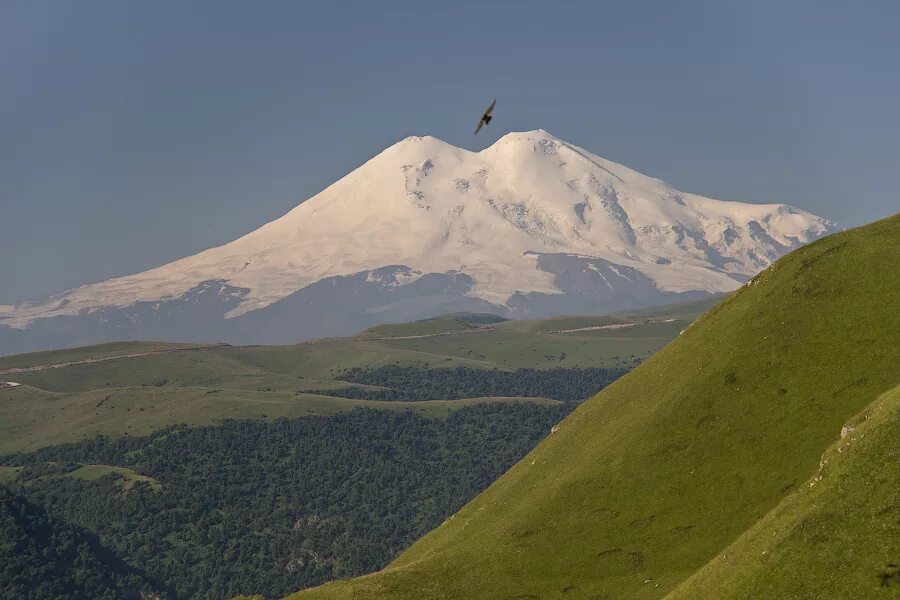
x=31 y=418
x=552 y=324
x=832 y=538
x=510 y=349
x=87 y=352
x=424 y=327
x=651 y=479
x=126 y=477
x=681 y=309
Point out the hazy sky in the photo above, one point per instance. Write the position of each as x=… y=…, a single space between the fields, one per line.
x=135 y=133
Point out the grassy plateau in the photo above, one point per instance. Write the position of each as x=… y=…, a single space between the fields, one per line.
x=135 y=388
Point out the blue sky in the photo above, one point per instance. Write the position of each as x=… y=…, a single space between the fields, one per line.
x=135 y=133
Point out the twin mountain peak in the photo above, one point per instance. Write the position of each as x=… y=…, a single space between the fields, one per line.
x=530 y=226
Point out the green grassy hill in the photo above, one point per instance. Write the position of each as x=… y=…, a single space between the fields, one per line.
x=654 y=479
x=100 y=351
x=31 y=418
x=442 y=324
x=847 y=515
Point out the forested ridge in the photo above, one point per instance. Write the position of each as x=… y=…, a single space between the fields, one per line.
x=409 y=383
x=256 y=507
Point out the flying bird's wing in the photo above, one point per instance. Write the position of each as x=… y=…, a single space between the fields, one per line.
x=485 y=117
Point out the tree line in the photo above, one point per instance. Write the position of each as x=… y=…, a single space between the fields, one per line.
x=409 y=383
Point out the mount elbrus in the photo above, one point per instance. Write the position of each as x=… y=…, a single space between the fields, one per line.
x=531 y=226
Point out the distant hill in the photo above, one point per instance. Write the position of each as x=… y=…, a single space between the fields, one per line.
x=439 y=324
x=134 y=388
x=716 y=469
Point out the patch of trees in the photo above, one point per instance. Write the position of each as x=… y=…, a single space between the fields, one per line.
x=418 y=383
x=253 y=507
x=45 y=557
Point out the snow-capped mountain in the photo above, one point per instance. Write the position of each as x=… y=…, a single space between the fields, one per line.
x=529 y=226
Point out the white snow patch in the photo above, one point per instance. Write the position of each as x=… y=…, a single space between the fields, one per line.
x=600 y=273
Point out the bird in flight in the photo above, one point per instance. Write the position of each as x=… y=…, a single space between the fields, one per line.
x=486 y=117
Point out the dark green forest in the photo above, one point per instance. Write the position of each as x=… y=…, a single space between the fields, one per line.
x=406 y=383
x=255 y=507
x=44 y=557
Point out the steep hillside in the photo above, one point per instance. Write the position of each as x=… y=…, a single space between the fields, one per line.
x=654 y=477
x=532 y=226
x=848 y=514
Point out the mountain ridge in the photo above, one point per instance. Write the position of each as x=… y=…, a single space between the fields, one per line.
x=530 y=226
